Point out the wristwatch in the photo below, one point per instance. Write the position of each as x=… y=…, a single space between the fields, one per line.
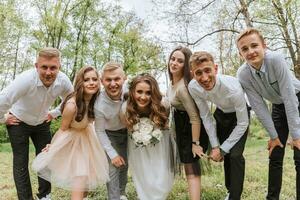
x=196 y=143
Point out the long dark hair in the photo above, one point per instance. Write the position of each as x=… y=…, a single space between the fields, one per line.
x=79 y=95
x=186 y=67
x=158 y=113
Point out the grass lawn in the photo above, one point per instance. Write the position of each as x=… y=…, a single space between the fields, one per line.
x=213 y=188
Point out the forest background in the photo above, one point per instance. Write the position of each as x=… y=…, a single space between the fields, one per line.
x=92 y=32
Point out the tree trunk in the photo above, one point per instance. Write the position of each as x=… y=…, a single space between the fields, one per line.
x=245 y=12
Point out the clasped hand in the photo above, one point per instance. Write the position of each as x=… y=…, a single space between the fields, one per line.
x=216 y=155
x=118 y=161
x=197 y=150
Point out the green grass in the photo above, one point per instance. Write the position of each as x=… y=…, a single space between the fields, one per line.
x=213 y=188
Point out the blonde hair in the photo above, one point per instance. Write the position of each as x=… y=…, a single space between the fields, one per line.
x=200 y=57
x=49 y=52
x=111 y=66
x=250 y=31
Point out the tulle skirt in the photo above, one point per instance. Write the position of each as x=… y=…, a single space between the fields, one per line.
x=75 y=160
x=152 y=168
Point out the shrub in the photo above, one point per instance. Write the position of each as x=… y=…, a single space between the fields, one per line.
x=3 y=134
x=55 y=124
x=256 y=128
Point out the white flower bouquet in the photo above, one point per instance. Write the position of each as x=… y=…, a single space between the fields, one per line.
x=145 y=133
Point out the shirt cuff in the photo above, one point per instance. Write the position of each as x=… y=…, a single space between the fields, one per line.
x=223 y=153
x=112 y=154
x=273 y=134
x=226 y=147
x=295 y=134
x=55 y=113
x=214 y=142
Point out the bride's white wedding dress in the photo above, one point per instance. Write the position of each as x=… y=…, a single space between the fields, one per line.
x=152 y=168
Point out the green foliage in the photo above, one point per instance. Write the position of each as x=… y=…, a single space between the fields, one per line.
x=87 y=32
x=213 y=193
x=256 y=129
x=5 y=147
x=55 y=124
x=3 y=134
x=212 y=185
x=95 y=32
x=13 y=28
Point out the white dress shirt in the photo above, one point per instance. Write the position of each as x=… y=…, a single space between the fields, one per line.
x=29 y=100
x=107 y=118
x=228 y=96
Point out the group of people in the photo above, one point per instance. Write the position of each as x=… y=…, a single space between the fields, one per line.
x=97 y=140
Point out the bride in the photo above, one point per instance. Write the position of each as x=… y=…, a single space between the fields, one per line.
x=150 y=144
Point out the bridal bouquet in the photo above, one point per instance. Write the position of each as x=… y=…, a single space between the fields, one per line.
x=145 y=133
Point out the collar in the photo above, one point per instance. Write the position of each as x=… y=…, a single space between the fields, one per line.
x=255 y=71
x=261 y=70
x=39 y=82
x=110 y=99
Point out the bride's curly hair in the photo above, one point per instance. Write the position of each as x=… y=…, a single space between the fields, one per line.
x=158 y=112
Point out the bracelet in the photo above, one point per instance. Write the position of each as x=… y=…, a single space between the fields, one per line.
x=196 y=143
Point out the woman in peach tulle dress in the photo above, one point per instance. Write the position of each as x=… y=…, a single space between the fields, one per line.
x=75 y=160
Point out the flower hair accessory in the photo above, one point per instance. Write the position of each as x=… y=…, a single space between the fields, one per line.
x=145 y=133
